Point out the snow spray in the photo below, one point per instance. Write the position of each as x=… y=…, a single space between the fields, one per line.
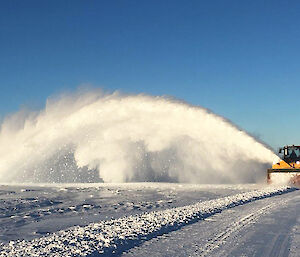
x=123 y=138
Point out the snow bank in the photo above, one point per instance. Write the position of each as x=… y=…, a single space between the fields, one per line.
x=117 y=235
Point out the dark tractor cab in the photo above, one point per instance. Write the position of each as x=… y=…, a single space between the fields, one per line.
x=290 y=153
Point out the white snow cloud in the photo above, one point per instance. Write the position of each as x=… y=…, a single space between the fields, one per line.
x=129 y=138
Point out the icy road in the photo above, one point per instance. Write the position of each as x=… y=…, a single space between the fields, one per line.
x=149 y=219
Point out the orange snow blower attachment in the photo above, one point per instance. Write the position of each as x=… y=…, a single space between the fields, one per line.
x=288 y=169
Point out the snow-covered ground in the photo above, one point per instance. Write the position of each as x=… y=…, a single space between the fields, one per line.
x=155 y=219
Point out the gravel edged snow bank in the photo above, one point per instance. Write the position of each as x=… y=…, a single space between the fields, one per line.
x=117 y=235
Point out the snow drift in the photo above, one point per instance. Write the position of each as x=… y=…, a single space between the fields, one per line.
x=116 y=235
x=120 y=138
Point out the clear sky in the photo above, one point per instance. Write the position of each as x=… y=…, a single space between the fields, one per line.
x=240 y=59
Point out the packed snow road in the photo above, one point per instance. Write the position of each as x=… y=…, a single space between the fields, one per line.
x=268 y=227
x=148 y=219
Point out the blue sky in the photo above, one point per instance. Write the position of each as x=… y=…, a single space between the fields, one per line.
x=240 y=59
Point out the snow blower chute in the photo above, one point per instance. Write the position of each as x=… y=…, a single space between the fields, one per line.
x=288 y=169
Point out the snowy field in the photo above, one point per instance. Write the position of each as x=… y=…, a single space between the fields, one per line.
x=154 y=219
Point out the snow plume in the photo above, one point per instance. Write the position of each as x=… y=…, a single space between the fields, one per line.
x=127 y=138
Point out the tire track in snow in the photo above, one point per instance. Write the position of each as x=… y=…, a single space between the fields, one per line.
x=235 y=227
x=116 y=236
